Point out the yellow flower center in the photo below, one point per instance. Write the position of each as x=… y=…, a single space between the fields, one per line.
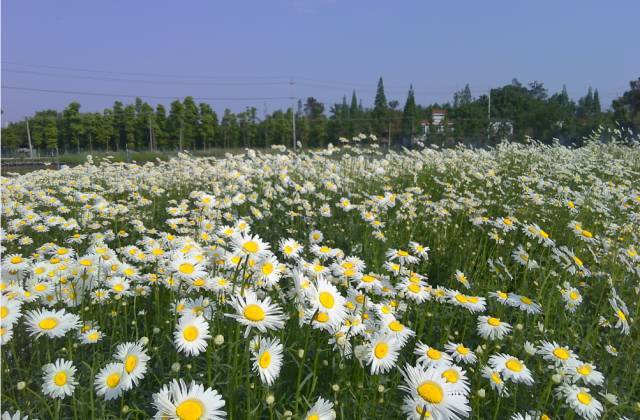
x=186 y=268
x=368 y=279
x=514 y=365
x=327 y=300
x=414 y=288
x=402 y=253
x=113 y=380
x=313 y=417
x=494 y=322
x=561 y=353
x=434 y=354
x=462 y=350
x=130 y=363
x=118 y=287
x=265 y=360
x=190 y=333
x=198 y=282
x=254 y=312
x=496 y=378
x=396 y=326
x=60 y=378
x=381 y=350
x=461 y=298
x=250 y=247
x=584 y=398
x=584 y=370
x=4 y=312
x=574 y=295
x=621 y=315
x=93 y=336
x=48 y=323
x=191 y=409
x=451 y=375
x=431 y=392
x=267 y=268
x=526 y=300
x=322 y=317
x=16 y=260
x=587 y=234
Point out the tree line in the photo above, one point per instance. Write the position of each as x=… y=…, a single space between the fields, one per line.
x=188 y=125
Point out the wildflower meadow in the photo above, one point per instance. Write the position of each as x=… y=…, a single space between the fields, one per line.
x=350 y=282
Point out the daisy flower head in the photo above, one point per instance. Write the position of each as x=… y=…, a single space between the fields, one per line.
x=524 y=303
x=9 y=311
x=187 y=267
x=134 y=357
x=15 y=262
x=471 y=303
x=555 y=353
x=315 y=236
x=430 y=356
x=495 y=380
x=571 y=296
x=462 y=278
x=439 y=398
x=420 y=250
x=91 y=336
x=491 y=328
x=511 y=368
x=58 y=379
x=382 y=353
x=177 y=400
x=585 y=372
x=112 y=381
x=321 y=410
x=460 y=353
x=251 y=246
x=51 y=323
x=456 y=376
x=402 y=256
x=396 y=329
x=290 y=248
x=267 y=359
x=191 y=335
x=325 y=299
x=255 y=313
x=581 y=401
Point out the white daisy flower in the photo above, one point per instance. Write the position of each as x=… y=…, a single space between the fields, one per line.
x=460 y=353
x=321 y=410
x=511 y=368
x=440 y=398
x=382 y=353
x=111 y=381
x=51 y=323
x=58 y=379
x=491 y=328
x=177 y=400
x=267 y=359
x=191 y=335
x=255 y=313
x=134 y=358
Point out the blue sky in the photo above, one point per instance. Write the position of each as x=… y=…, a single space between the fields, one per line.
x=240 y=49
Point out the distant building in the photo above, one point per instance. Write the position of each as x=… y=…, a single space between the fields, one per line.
x=438 y=122
x=502 y=127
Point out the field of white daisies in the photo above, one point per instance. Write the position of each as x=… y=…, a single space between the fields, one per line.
x=345 y=283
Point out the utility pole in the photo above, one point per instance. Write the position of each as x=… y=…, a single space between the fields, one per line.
x=181 y=124
x=150 y=134
x=489 y=116
x=293 y=111
x=29 y=137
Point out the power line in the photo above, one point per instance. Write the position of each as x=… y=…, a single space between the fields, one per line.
x=155 y=82
x=125 y=95
x=175 y=76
